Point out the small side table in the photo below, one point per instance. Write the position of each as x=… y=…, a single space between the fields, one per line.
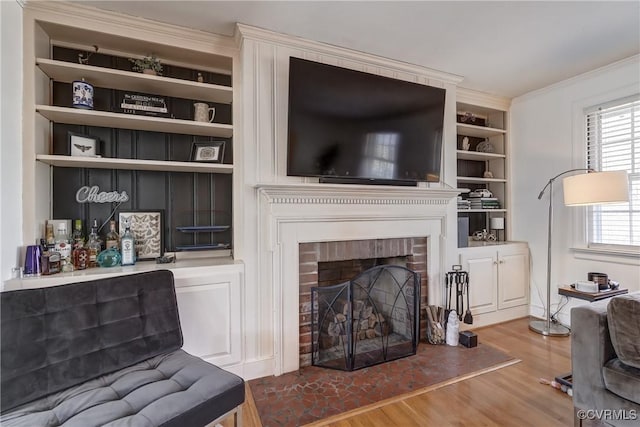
x=568 y=291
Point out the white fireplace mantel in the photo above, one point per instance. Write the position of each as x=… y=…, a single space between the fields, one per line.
x=304 y=193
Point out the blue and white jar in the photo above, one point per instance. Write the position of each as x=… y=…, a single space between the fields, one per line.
x=82 y=94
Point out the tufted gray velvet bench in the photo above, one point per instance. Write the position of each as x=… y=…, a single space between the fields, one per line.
x=106 y=353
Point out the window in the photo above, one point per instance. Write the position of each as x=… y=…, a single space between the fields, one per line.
x=613 y=143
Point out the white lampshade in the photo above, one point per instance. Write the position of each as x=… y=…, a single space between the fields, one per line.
x=596 y=188
x=497 y=223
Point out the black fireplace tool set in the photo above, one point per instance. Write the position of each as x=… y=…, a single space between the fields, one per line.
x=460 y=280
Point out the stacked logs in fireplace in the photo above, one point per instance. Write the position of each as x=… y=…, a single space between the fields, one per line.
x=365 y=324
x=371 y=319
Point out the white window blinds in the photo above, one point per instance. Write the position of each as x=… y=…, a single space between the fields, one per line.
x=613 y=143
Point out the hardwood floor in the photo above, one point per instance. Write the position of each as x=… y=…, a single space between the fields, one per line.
x=511 y=396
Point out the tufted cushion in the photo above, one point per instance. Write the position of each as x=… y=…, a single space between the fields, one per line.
x=56 y=337
x=623 y=317
x=170 y=390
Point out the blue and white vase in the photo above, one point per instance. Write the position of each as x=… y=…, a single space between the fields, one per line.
x=82 y=95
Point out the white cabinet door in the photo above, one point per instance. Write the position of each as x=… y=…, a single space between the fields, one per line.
x=483 y=279
x=209 y=303
x=513 y=276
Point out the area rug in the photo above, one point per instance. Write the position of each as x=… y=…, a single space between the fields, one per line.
x=313 y=393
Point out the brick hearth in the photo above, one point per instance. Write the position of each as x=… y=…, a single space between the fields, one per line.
x=414 y=250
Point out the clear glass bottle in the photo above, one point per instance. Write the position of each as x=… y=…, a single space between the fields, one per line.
x=77 y=236
x=95 y=244
x=128 y=250
x=112 y=239
x=50 y=237
x=63 y=247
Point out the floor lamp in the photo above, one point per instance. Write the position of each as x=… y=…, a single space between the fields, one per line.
x=592 y=188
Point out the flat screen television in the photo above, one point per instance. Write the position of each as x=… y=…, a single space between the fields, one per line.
x=354 y=127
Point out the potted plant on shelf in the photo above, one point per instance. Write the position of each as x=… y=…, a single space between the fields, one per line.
x=147 y=65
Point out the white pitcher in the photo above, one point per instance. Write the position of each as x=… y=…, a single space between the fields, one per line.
x=203 y=113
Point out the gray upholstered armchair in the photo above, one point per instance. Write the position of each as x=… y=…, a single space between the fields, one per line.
x=605 y=357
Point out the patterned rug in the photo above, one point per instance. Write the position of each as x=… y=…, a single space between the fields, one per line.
x=313 y=393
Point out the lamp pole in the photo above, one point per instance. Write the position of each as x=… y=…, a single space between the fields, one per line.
x=545 y=327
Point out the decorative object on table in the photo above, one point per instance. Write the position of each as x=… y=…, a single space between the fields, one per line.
x=146 y=227
x=591 y=188
x=485 y=147
x=109 y=258
x=487 y=174
x=465 y=143
x=203 y=113
x=212 y=151
x=83 y=58
x=147 y=65
x=467 y=117
x=600 y=278
x=148 y=105
x=82 y=94
x=83 y=145
x=496 y=224
x=481 y=192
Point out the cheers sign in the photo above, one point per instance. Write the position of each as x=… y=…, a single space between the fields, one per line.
x=93 y=194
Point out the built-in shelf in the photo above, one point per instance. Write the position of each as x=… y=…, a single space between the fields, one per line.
x=478 y=156
x=68 y=72
x=75 y=116
x=481 y=210
x=470 y=179
x=132 y=164
x=478 y=131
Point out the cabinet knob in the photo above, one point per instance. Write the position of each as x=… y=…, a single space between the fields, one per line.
x=501 y=261
x=495 y=263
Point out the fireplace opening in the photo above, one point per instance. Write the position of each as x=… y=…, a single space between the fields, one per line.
x=371 y=319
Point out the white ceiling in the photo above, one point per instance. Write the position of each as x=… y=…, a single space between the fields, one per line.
x=504 y=48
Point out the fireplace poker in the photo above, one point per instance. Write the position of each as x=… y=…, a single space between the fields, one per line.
x=468 y=317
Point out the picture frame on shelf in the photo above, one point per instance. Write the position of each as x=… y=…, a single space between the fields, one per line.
x=81 y=145
x=147 y=229
x=207 y=151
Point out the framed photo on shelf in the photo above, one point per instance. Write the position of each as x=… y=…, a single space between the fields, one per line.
x=146 y=227
x=83 y=145
x=207 y=151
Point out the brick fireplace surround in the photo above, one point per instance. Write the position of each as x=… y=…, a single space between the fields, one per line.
x=413 y=249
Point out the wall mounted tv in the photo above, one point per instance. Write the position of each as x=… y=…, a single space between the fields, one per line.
x=347 y=126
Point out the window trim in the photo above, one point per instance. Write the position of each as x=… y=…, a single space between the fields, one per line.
x=579 y=231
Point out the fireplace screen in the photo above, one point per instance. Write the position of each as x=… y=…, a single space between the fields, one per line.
x=371 y=319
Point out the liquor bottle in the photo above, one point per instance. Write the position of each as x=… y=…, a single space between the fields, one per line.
x=78 y=238
x=112 y=238
x=128 y=250
x=49 y=237
x=63 y=247
x=95 y=244
x=80 y=256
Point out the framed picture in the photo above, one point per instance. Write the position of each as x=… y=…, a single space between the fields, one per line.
x=146 y=227
x=83 y=145
x=212 y=151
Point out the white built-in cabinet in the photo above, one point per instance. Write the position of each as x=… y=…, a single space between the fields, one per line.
x=498 y=281
x=209 y=303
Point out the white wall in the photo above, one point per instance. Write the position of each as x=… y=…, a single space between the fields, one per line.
x=547 y=139
x=10 y=136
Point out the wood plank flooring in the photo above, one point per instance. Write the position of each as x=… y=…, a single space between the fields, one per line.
x=511 y=396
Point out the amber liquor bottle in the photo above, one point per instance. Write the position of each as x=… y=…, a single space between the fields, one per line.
x=112 y=239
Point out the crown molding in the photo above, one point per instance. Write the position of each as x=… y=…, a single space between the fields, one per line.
x=634 y=59
x=64 y=13
x=474 y=97
x=247 y=32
